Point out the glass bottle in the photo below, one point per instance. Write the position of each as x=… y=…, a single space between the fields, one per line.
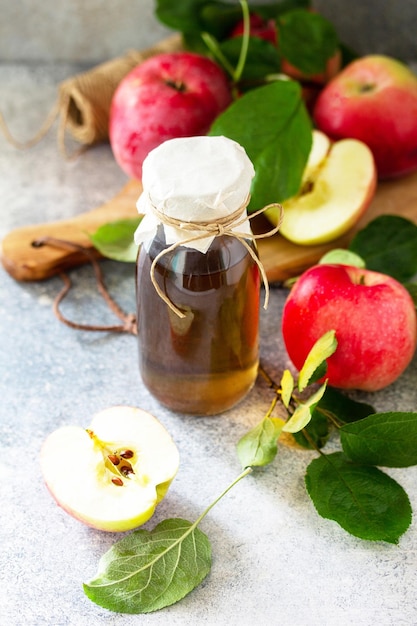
x=206 y=361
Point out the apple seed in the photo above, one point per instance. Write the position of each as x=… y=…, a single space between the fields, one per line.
x=127 y=454
x=117 y=481
x=126 y=470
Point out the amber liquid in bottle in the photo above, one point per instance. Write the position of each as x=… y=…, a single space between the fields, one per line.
x=206 y=362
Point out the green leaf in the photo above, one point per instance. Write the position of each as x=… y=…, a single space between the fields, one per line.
x=214 y=16
x=324 y=347
x=258 y=447
x=340 y=256
x=307 y=40
x=287 y=387
x=188 y=16
x=333 y=407
x=147 y=571
x=388 y=439
x=314 y=434
x=262 y=59
x=342 y=408
x=388 y=244
x=365 y=501
x=272 y=124
x=302 y=414
x=412 y=290
x=115 y=240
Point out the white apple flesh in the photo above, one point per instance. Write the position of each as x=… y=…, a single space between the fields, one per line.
x=112 y=475
x=338 y=185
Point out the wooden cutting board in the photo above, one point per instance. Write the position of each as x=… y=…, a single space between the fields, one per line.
x=281 y=258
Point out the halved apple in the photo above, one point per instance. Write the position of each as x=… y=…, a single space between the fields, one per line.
x=337 y=187
x=112 y=475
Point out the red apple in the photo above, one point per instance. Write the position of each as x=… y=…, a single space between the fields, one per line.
x=374 y=99
x=169 y=95
x=374 y=318
x=259 y=27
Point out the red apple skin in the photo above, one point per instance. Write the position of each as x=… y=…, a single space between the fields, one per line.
x=374 y=99
x=374 y=318
x=169 y=95
x=259 y=27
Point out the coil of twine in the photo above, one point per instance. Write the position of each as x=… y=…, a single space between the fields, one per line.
x=83 y=101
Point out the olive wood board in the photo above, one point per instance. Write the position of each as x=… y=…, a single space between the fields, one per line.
x=281 y=258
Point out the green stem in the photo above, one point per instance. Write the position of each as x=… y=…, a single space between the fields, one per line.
x=245 y=472
x=213 y=46
x=245 y=41
x=312 y=442
x=160 y=555
x=331 y=417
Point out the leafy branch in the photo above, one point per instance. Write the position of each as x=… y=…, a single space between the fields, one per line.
x=147 y=571
x=345 y=486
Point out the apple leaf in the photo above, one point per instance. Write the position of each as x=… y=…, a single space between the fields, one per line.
x=334 y=407
x=314 y=434
x=147 y=571
x=307 y=40
x=287 y=387
x=213 y=16
x=365 y=501
x=188 y=16
x=324 y=347
x=258 y=447
x=302 y=414
x=272 y=124
x=262 y=59
x=343 y=409
x=387 y=439
x=341 y=256
x=388 y=244
x=115 y=240
x=412 y=290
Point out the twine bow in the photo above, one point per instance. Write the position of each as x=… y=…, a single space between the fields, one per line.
x=224 y=226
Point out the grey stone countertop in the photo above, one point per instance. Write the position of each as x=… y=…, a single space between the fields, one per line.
x=275 y=560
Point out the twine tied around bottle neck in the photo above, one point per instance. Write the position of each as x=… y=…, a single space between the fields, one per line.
x=224 y=226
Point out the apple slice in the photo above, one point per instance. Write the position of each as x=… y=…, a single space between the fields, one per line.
x=112 y=475
x=337 y=188
x=319 y=151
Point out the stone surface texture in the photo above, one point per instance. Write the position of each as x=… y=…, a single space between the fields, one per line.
x=275 y=561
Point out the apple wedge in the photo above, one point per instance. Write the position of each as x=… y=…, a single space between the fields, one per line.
x=338 y=185
x=112 y=475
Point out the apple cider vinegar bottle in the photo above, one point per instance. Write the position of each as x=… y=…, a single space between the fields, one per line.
x=198 y=276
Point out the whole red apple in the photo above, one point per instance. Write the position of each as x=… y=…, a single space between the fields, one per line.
x=374 y=99
x=169 y=95
x=374 y=318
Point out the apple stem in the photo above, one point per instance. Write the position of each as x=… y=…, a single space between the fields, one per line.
x=177 y=85
x=213 y=46
x=245 y=472
x=245 y=41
